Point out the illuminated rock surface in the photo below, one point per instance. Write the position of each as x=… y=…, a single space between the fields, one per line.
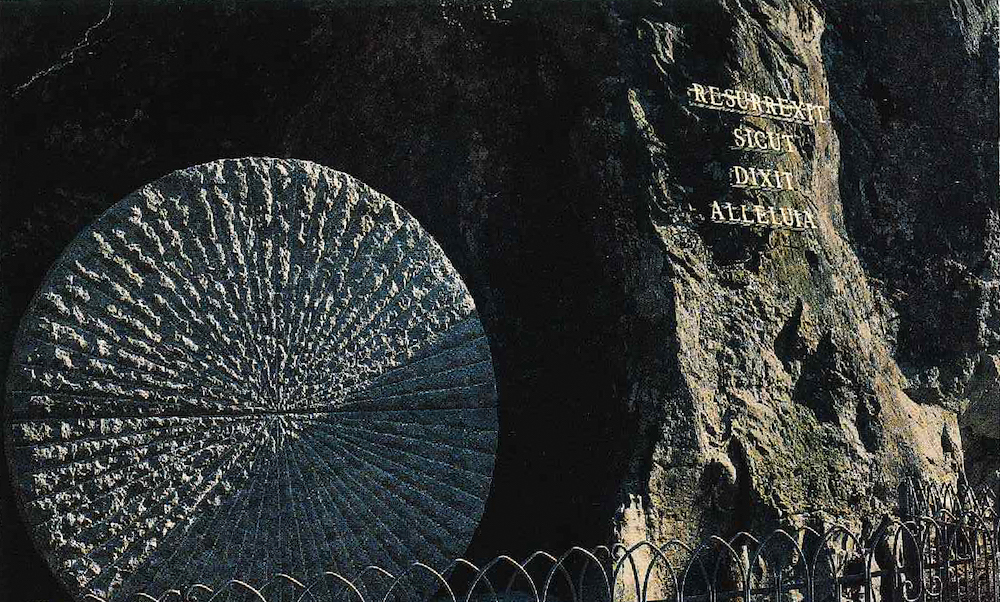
x=249 y=367
x=659 y=380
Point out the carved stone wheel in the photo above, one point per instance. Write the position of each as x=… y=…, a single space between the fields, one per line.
x=245 y=368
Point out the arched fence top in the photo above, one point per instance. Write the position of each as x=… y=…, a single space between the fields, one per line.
x=942 y=545
x=954 y=500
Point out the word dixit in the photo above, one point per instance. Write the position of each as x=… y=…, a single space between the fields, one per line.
x=763 y=179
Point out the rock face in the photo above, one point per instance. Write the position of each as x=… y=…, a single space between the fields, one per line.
x=250 y=367
x=660 y=377
x=798 y=376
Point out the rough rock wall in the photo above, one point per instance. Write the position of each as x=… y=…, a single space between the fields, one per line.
x=919 y=189
x=655 y=379
x=785 y=377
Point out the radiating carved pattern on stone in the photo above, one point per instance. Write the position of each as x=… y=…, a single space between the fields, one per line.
x=248 y=367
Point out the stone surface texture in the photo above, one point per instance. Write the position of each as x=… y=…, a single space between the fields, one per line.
x=805 y=375
x=659 y=379
x=245 y=368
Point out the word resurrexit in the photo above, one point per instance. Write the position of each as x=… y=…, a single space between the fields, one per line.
x=760 y=105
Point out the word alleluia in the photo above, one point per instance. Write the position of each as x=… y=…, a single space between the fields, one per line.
x=763 y=215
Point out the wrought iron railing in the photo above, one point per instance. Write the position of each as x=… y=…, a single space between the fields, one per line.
x=941 y=545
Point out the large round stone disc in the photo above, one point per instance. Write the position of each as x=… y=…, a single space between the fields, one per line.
x=249 y=367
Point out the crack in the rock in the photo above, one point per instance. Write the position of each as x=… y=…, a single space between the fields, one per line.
x=67 y=57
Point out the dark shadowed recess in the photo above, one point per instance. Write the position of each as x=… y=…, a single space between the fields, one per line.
x=461 y=117
x=923 y=143
x=921 y=122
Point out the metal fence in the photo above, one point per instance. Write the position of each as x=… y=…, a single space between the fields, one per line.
x=940 y=545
